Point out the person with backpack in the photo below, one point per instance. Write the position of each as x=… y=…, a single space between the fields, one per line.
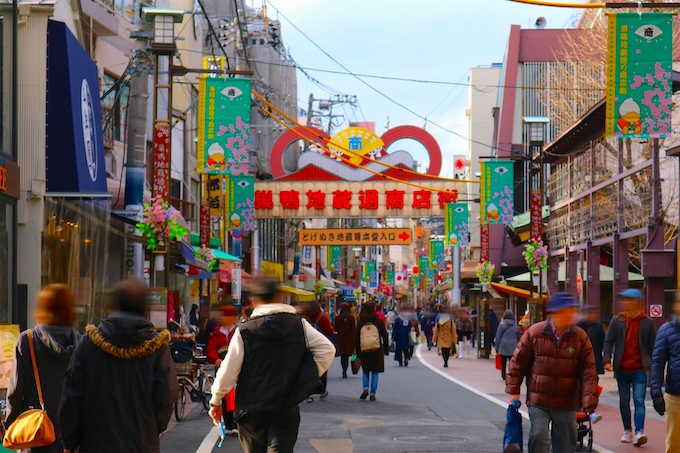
x=372 y=344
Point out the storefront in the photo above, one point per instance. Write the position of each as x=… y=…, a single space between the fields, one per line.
x=9 y=193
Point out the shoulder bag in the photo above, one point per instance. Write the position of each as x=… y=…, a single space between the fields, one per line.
x=33 y=428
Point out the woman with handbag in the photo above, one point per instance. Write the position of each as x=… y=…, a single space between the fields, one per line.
x=346 y=328
x=372 y=345
x=51 y=343
x=445 y=336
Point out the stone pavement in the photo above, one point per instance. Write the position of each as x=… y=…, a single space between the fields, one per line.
x=481 y=375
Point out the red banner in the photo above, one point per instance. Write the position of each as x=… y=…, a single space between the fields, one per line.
x=536 y=214
x=161 y=161
x=205 y=225
x=484 y=242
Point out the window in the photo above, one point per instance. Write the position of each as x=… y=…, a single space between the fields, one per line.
x=125 y=8
x=114 y=109
x=176 y=189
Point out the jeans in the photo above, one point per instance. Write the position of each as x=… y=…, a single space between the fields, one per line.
x=374 y=382
x=269 y=433
x=637 y=380
x=562 y=436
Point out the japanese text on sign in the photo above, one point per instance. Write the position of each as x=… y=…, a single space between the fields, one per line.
x=357 y=236
x=161 y=161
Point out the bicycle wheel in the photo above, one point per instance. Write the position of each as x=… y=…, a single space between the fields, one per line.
x=180 y=404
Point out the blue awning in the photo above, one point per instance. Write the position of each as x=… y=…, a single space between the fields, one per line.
x=187 y=253
x=220 y=255
x=347 y=291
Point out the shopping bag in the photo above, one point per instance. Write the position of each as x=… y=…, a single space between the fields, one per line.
x=356 y=364
x=512 y=440
x=499 y=362
x=230 y=400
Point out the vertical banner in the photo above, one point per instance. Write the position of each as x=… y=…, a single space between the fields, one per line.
x=215 y=195
x=497 y=192
x=536 y=214
x=241 y=194
x=437 y=254
x=236 y=283
x=484 y=242
x=161 y=162
x=223 y=126
x=424 y=265
x=204 y=227
x=335 y=258
x=389 y=278
x=457 y=225
x=369 y=270
x=639 y=84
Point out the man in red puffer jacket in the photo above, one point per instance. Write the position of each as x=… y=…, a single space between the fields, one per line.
x=557 y=358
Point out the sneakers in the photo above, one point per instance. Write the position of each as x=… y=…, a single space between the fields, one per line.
x=594 y=418
x=364 y=395
x=232 y=432
x=640 y=438
x=324 y=395
x=627 y=437
x=310 y=399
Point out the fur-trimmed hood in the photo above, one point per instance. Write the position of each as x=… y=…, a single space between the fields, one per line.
x=126 y=336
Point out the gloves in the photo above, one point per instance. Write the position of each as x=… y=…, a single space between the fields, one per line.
x=659 y=404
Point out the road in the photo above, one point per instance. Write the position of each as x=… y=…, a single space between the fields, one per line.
x=417 y=410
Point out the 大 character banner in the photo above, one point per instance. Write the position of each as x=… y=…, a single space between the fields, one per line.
x=223 y=126
x=639 y=75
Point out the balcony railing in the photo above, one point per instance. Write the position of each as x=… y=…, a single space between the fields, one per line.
x=186 y=208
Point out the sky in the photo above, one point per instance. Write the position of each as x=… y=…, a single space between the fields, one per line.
x=434 y=40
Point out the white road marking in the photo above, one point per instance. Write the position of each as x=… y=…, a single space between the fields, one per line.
x=209 y=441
x=487 y=397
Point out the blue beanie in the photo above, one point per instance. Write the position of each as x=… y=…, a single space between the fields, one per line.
x=561 y=300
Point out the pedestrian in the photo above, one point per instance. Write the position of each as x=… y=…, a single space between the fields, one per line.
x=595 y=330
x=445 y=336
x=507 y=337
x=372 y=345
x=380 y=313
x=266 y=359
x=631 y=338
x=54 y=340
x=216 y=351
x=557 y=359
x=346 y=328
x=414 y=335
x=121 y=384
x=322 y=322
x=427 y=326
x=193 y=315
x=401 y=333
x=494 y=322
x=465 y=328
x=666 y=363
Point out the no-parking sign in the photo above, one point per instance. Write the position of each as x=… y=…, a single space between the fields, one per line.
x=656 y=311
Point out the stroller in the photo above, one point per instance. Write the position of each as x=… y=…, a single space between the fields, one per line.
x=584 y=426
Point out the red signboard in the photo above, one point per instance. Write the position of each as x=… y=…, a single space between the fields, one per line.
x=484 y=242
x=205 y=225
x=536 y=214
x=161 y=161
x=3 y=179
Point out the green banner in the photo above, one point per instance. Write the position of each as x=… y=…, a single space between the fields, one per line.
x=223 y=126
x=639 y=75
x=424 y=264
x=457 y=225
x=437 y=255
x=389 y=278
x=335 y=258
x=497 y=192
x=240 y=196
x=369 y=270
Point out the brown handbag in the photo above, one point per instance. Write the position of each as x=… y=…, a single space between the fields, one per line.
x=33 y=428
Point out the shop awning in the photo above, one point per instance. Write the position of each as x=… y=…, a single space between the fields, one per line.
x=519 y=292
x=606 y=275
x=347 y=291
x=221 y=255
x=195 y=272
x=300 y=294
x=311 y=273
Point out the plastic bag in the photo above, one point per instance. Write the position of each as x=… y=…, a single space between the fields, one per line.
x=513 y=438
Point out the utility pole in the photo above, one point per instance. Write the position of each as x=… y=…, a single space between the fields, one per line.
x=135 y=166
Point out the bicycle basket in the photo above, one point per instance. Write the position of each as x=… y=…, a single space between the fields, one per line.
x=182 y=350
x=183 y=368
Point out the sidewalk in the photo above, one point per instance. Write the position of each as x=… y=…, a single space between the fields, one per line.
x=481 y=375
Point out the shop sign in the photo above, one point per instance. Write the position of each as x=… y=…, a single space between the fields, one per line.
x=355 y=236
x=3 y=179
x=457 y=225
x=161 y=161
x=214 y=195
x=223 y=126
x=639 y=75
x=536 y=214
x=273 y=269
x=484 y=242
x=205 y=225
x=355 y=200
x=236 y=284
x=497 y=192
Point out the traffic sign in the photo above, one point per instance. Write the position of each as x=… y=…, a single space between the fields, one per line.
x=656 y=311
x=356 y=236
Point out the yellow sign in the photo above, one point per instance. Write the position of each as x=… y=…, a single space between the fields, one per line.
x=360 y=142
x=214 y=195
x=356 y=236
x=273 y=269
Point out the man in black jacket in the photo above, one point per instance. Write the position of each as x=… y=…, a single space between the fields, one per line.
x=121 y=383
x=267 y=358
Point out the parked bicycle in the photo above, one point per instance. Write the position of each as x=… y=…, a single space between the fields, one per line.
x=191 y=375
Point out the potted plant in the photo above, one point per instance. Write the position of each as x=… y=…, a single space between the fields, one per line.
x=159 y=224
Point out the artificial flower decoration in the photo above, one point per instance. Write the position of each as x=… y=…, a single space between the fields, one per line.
x=207 y=255
x=160 y=224
x=319 y=287
x=536 y=255
x=485 y=272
